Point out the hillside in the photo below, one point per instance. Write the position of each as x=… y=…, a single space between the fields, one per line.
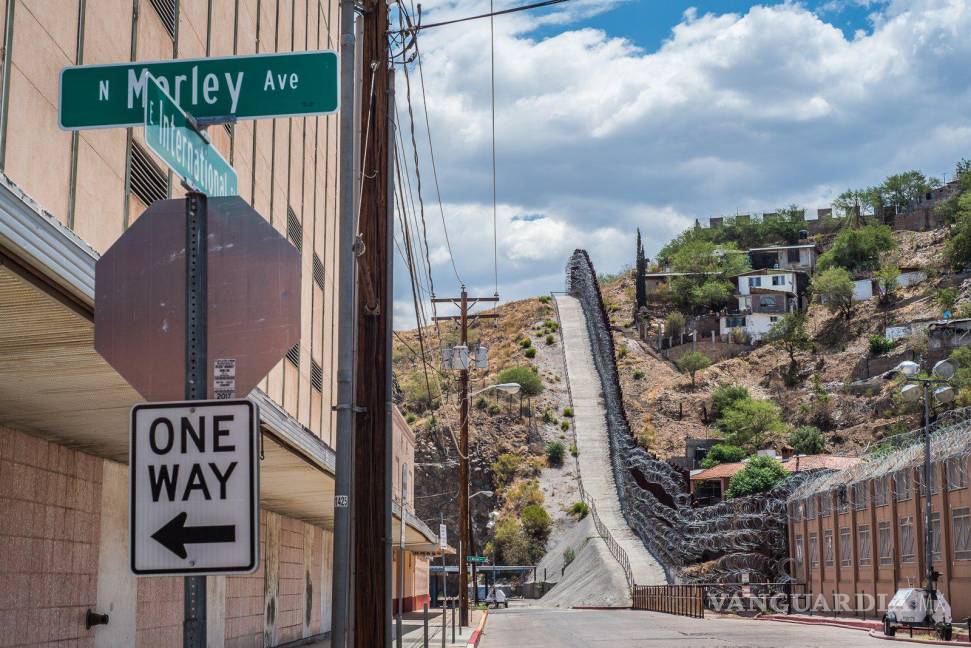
x=507 y=449
x=666 y=410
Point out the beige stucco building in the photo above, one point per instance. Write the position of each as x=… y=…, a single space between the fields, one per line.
x=65 y=197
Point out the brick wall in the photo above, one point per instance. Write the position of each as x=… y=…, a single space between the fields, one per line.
x=50 y=499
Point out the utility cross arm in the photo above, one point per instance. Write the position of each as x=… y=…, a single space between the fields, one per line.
x=458 y=318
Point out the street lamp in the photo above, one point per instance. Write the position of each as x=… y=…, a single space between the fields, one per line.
x=916 y=388
x=401 y=552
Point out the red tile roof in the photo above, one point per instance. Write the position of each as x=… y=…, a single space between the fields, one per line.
x=795 y=464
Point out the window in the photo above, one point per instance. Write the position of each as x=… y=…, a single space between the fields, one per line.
x=735 y=321
x=168 y=11
x=825 y=504
x=880 y=491
x=846 y=553
x=961 y=529
x=316 y=376
x=907 y=539
x=936 y=534
x=863 y=542
x=828 y=546
x=145 y=179
x=902 y=485
x=778 y=280
x=811 y=508
x=799 y=556
x=293 y=355
x=813 y=551
x=792 y=256
x=773 y=319
x=768 y=301
x=859 y=496
x=886 y=543
x=754 y=282
x=957 y=473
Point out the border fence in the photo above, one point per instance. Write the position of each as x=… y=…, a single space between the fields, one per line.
x=682 y=600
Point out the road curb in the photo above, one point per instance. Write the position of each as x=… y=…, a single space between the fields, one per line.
x=845 y=626
x=601 y=607
x=877 y=634
x=477 y=633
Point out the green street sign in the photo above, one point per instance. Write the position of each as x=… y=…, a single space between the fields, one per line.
x=475 y=559
x=170 y=133
x=232 y=87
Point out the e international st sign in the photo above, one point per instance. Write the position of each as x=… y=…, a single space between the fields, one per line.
x=174 y=138
x=194 y=501
x=233 y=87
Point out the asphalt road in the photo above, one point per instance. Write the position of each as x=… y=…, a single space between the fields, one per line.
x=530 y=627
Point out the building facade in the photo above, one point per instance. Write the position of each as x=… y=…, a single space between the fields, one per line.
x=65 y=197
x=860 y=536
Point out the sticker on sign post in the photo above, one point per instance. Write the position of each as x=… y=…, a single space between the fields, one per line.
x=224 y=378
x=194 y=478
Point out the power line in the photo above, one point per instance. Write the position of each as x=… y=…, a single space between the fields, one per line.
x=491 y=13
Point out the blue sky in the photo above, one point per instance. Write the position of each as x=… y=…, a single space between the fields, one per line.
x=617 y=115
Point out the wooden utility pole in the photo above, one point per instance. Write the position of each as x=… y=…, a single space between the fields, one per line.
x=463 y=302
x=372 y=447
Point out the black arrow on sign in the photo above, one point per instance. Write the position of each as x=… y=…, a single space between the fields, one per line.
x=175 y=534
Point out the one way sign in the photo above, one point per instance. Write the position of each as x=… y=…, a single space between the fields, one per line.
x=194 y=473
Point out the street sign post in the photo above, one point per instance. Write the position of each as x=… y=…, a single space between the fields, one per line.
x=175 y=138
x=227 y=89
x=194 y=487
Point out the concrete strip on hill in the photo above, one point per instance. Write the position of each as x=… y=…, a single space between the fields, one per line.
x=593 y=444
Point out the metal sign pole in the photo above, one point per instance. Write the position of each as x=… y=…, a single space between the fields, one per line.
x=194 y=623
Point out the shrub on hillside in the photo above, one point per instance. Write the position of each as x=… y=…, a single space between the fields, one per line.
x=579 y=510
x=807 y=440
x=526 y=376
x=419 y=393
x=530 y=352
x=568 y=412
x=759 y=475
x=880 y=345
x=504 y=468
x=525 y=343
x=674 y=324
x=536 y=522
x=554 y=453
x=723 y=453
x=481 y=403
x=550 y=339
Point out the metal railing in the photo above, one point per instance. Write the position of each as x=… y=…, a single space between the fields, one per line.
x=615 y=549
x=682 y=600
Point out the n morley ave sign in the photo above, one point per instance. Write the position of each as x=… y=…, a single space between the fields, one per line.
x=194 y=504
x=234 y=87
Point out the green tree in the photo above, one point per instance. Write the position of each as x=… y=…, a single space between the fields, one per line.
x=760 y=474
x=723 y=453
x=511 y=544
x=858 y=249
x=693 y=362
x=725 y=396
x=639 y=272
x=789 y=334
x=957 y=251
x=711 y=294
x=834 y=288
x=527 y=377
x=900 y=189
x=807 y=440
x=946 y=298
x=751 y=424
x=887 y=277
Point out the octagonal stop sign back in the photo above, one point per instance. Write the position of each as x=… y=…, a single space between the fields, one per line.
x=140 y=298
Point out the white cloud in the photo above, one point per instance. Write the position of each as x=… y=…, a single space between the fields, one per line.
x=733 y=112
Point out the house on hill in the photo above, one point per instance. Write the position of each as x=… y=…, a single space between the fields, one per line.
x=801 y=257
x=763 y=297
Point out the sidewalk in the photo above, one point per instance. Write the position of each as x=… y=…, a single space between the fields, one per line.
x=413 y=635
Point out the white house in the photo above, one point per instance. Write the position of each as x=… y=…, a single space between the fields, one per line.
x=800 y=257
x=764 y=296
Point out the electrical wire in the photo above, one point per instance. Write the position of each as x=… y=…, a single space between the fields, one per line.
x=491 y=13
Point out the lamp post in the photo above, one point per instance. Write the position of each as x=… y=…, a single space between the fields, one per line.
x=472 y=546
x=401 y=552
x=917 y=388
